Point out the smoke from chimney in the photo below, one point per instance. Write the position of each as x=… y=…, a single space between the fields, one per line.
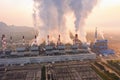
x=61 y=17
x=102 y=34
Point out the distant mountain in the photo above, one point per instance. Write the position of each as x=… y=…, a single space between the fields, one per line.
x=2 y=24
x=16 y=31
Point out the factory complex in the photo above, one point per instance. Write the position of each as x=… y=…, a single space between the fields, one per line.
x=52 y=61
x=24 y=53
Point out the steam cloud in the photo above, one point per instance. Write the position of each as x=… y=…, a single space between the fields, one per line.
x=56 y=17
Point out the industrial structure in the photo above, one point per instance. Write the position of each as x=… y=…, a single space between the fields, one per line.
x=100 y=46
x=24 y=61
x=23 y=49
x=71 y=71
x=28 y=72
x=25 y=53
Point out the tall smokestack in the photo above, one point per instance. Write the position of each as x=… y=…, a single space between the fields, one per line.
x=35 y=37
x=75 y=41
x=76 y=36
x=4 y=42
x=23 y=37
x=48 y=42
x=96 y=34
x=3 y=36
x=59 y=40
x=35 y=41
x=23 y=41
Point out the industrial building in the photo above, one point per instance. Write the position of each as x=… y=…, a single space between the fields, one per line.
x=61 y=63
x=25 y=54
x=100 y=46
x=44 y=59
x=58 y=49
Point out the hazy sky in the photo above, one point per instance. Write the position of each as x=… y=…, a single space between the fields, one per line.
x=106 y=15
x=17 y=12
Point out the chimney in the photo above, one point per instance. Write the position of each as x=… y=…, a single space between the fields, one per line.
x=59 y=42
x=10 y=37
x=48 y=42
x=96 y=34
x=76 y=36
x=35 y=36
x=3 y=36
x=23 y=40
x=4 y=43
x=75 y=39
x=23 y=37
x=59 y=38
x=35 y=41
x=59 y=35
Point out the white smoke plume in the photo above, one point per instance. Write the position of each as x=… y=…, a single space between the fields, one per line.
x=56 y=17
x=102 y=34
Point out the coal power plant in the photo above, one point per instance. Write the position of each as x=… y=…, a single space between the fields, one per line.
x=61 y=44
x=56 y=60
x=51 y=51
x=22 y=49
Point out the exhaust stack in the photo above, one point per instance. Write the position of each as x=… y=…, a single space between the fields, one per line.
x=23 y=41
x=59 y=40
x=96 y=34
x=4 y=43
x=48 y=42
x=35 y=41
x=75 y=41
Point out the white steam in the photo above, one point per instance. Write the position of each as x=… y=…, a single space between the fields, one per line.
x=56 y=17
x=102 y=34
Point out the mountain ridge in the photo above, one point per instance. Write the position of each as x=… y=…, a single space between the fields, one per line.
x=16 y=31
